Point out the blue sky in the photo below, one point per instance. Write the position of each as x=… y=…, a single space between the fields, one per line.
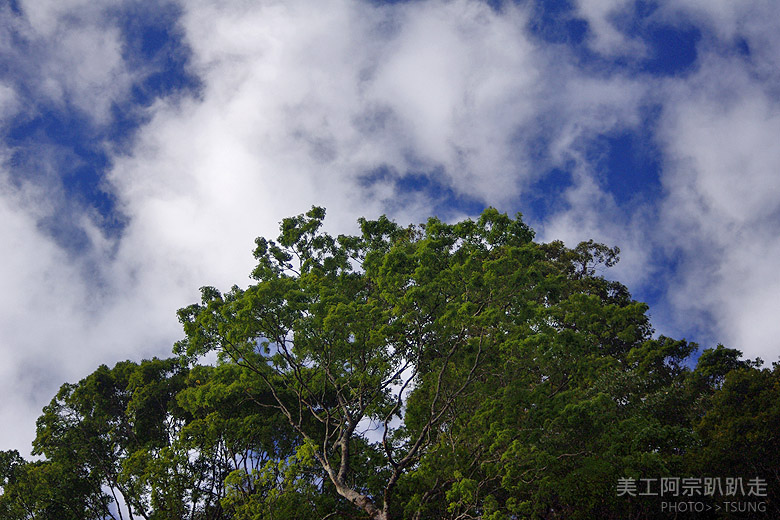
x=145 y=147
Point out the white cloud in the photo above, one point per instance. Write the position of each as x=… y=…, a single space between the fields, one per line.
x=35 y=326
x=462 y=80
x=70 y=52
x=64 y=314
x=8 y=101
x=46 y=17
x=605 y=34
x=299 y=102
x=419 y=86
x=723 y=208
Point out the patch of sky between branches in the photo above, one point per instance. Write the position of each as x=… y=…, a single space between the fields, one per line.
x=444 y=201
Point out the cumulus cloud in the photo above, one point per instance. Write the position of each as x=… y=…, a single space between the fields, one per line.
x=300 y=105
x=723 y=207
x=34 y=314
x=298 y=108
x=605 y=32
x=63 y=313
x=68 y=52
x=719 y=216
x=8 y=101
x=437 y=85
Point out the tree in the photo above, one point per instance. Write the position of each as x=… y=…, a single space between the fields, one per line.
x=43 y=489
x=578 y=396
x=738 y=431
x=339 y=330
x=400 y=344
x=242 y=449
x=107 y=434
x=441 y=371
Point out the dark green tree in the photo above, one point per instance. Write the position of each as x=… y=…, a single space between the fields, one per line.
x=577 y=396
x=244 y=448
x=738 y=430
x=105 y=434
x=44 y=489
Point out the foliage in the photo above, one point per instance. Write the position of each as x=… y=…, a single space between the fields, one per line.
x=429 y=372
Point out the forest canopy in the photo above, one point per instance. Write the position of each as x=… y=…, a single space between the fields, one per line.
x=433 y=371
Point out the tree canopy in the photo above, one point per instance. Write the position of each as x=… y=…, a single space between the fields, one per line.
x=424 y=372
